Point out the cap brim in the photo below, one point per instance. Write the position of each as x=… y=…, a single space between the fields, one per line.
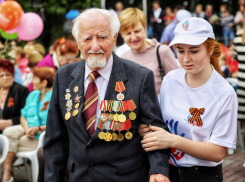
x=188 y=39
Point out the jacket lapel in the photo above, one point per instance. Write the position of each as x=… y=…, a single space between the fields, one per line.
x=117 y=74
x=78 y=75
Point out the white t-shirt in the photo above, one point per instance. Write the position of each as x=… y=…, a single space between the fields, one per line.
x=217 y=121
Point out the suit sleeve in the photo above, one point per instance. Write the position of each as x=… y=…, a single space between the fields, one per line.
x=22 y=96
x=56 y=141
x=151 y=114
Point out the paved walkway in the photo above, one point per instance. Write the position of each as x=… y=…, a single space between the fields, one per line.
x=232 y=168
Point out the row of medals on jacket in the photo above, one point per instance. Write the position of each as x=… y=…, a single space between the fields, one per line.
x=69 y=103
x=107 y=119
x=107 y=136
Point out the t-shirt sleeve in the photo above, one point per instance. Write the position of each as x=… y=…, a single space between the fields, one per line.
x=225 y=129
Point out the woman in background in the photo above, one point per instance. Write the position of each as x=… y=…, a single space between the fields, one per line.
x=144 y=51
x=24 y=137
x=12 y=96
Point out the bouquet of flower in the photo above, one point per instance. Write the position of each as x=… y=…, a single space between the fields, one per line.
x=7 y=50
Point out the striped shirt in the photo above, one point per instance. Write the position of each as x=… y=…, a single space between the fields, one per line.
x=239 y=53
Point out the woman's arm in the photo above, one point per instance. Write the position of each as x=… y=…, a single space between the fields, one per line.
x=161 y=139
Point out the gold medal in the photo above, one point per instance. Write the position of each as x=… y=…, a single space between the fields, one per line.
x=122 y=118
x=115 y=117
x=110 y=117
x=114 y=136
x=76 y=89
x=77 y=105
x=103 y=117
x=101 y=135
x=75 y=112
x=132 y=116
x=67 y=115
x=107 y=136
x=120 y=137
x=128 y=135
x=120 y=96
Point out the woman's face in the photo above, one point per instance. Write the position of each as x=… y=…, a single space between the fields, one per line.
x=6 y=78
x=134 y=37
x=37 y=84
x=66 y=58
x=194 y=59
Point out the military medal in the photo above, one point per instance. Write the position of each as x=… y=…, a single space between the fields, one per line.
x=120 y=87
x=131 y=106
x=132 y=116
x=103 y=117
x=120 y=96
x=115 y=117
x=107 y=136
x=109 y=108
x=128 y=135
x=113 y=127
x=101 y=135
x=122 y=118
x=77 y=99
x=68 y=104
x=101 y=126
x=67 y=96
x=120 y=137
x=110 y=117
x=75 y=112
x=115 y=108
x=76 y=89
x=67 y=115
x=76 y=105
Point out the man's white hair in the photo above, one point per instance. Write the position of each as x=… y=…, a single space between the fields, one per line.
x=91 y=14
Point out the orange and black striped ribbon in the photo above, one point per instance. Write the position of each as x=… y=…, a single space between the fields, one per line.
x=196 y=115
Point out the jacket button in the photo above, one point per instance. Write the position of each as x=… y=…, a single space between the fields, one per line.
x=91 y=166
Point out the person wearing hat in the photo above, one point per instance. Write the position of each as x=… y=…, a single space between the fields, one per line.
x=198 y=105
x=168 y=32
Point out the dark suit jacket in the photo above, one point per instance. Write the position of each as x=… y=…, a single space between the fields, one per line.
x=67 y=143
x=158 y=27
x=15 y=101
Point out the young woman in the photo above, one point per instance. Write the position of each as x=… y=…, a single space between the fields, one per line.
x=198 y=105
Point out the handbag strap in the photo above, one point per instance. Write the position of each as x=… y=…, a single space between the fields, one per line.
x=159 y=63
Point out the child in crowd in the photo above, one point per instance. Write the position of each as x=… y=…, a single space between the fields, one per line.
x=223 y=66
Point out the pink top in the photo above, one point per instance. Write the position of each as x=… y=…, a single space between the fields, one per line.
x=46 y=61
x=148 y=58
x=23 y=65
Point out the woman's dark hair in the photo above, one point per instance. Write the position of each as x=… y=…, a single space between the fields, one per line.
x=5 y=64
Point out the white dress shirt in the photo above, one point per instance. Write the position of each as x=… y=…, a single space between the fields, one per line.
x=157 y=14
x=101 y=83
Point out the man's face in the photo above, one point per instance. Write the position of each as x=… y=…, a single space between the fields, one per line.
x=155 y=6
x=96 y=42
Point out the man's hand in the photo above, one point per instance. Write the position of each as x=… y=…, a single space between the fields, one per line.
x=158 y=178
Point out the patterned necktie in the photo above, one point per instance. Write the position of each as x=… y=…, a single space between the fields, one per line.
x=90 y=106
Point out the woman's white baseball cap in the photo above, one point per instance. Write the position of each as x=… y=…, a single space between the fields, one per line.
x=192 y=31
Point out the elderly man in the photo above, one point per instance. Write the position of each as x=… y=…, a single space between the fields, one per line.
x=95 y=111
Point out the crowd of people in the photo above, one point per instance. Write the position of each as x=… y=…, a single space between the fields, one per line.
x=159 y=104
